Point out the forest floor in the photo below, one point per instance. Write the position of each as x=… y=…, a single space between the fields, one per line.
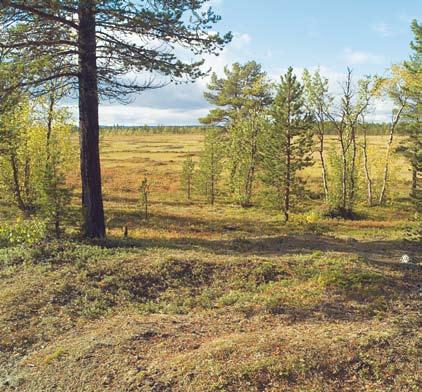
x=213 y=298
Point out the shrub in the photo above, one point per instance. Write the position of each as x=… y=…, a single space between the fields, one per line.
x=23 y=232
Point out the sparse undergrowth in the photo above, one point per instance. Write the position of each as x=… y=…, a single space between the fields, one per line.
x=256 y=315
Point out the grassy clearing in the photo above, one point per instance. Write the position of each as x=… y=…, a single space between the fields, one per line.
x=202 y=298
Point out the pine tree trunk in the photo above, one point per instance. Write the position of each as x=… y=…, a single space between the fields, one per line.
x=51 y=103
x=213 y=166
x=252 y=167
x=288 y=179
x=92 y=202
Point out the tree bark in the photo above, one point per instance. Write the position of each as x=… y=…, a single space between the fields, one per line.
x=288 y=163
x=51 y=104
x=92 y=202
x=288 y=174
x=366 y=167
x=213 y=166
x=393 y=125
x=252 y=167
x=323 y=167
x=16 y=185
x=352 y=170
x=287 y=189
x=344 y=179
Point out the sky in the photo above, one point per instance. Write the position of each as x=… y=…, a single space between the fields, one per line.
x=366 y=35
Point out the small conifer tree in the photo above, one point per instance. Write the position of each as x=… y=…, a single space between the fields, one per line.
x=288 y=143
x=211 y=165
x=188 y=170
x=56 y=198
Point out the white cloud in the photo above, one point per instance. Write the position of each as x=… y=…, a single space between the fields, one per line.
x=141 y=115
x=382 y=29
x=237 y=50
x=360 y=57
x=381 y=111
x=175 y=104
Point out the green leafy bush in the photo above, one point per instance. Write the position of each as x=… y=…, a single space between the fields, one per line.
x=22 y=232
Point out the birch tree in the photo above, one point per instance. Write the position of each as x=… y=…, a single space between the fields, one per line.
x=318 y=102
x=354 y=102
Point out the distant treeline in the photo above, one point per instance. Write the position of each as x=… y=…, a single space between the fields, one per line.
x=373 y=129
x=156 y=129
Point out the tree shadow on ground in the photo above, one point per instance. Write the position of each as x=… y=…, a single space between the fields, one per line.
x=386 y=254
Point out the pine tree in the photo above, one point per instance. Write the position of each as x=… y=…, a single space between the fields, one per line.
x=211 y=165
x=411 y=147
x=91 y=46
x=288 y=143
x=241 y=98
x=243 y=88
x=188 y=170
x=56 y=196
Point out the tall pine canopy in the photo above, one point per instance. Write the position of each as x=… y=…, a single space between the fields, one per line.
x=241 y=90
x=93 y=47
x=411 y=147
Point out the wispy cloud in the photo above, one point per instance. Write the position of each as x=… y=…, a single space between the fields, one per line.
x=353 y=57
x=383 y=29
x=176 y=104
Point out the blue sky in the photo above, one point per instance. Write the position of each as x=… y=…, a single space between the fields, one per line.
x=367 y=35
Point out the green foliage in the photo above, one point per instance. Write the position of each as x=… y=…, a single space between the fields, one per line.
x=56 y=199
x=21 y=145
x=211 y=165
x=414 y=229
x=352 y=107
x=318 y=101
x=241 y=97
x=28 y=231
x=287 y=145
x=335 y=198
x=411 y=147
x=244 y=154
x=242 y=89
x=188 y=170
x=53 y=252
x=56 y=195
x=168 y=24
x=35 y=159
